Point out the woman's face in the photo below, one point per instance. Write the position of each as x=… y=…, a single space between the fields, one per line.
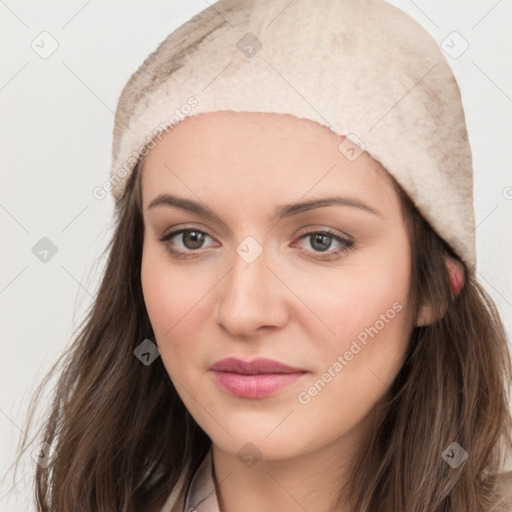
x=288 y=251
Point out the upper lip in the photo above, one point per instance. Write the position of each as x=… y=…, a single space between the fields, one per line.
x=254 y=367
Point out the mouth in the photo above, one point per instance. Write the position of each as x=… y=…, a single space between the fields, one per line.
x=254 y=379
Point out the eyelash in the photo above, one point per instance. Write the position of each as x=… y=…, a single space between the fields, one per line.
x=346 y=244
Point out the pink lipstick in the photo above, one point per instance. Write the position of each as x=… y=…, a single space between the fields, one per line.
x=254 y=379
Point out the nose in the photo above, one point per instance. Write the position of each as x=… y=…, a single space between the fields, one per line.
x=251 y=298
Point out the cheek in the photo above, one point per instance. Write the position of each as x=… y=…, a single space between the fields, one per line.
x=369 y=326
x=366 y=329
x=173 y=305
x=355 y=367
x=346 y=302
x=160 y=295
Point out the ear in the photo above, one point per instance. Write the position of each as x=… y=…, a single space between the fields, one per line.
x=426 y=314
x=457 y=277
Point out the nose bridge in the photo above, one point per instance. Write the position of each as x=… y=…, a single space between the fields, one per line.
x=251 y=295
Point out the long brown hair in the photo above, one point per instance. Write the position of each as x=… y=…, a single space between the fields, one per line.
x=123 y=436
x=452 y=387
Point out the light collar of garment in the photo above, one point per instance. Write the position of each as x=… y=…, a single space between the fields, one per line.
x=201 y=496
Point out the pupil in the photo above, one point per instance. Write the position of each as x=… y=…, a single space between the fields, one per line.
x=195 y=237
x=322 y=240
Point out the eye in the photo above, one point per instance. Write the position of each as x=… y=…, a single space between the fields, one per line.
x=322 y=240
x=191 y=240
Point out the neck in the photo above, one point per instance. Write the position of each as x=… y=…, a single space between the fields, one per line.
x=310 y=480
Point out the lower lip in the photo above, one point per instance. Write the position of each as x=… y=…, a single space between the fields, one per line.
x=255 y=386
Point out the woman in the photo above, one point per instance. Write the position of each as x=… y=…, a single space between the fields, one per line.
x=289 y=317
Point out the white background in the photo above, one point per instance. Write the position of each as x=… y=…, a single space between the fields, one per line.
x=56 y=124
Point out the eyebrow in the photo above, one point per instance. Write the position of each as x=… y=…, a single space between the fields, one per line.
x=281 y=212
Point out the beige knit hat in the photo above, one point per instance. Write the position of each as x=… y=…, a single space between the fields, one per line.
x=363 y=68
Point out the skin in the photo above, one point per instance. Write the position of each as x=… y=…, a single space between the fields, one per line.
x=288 y=304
